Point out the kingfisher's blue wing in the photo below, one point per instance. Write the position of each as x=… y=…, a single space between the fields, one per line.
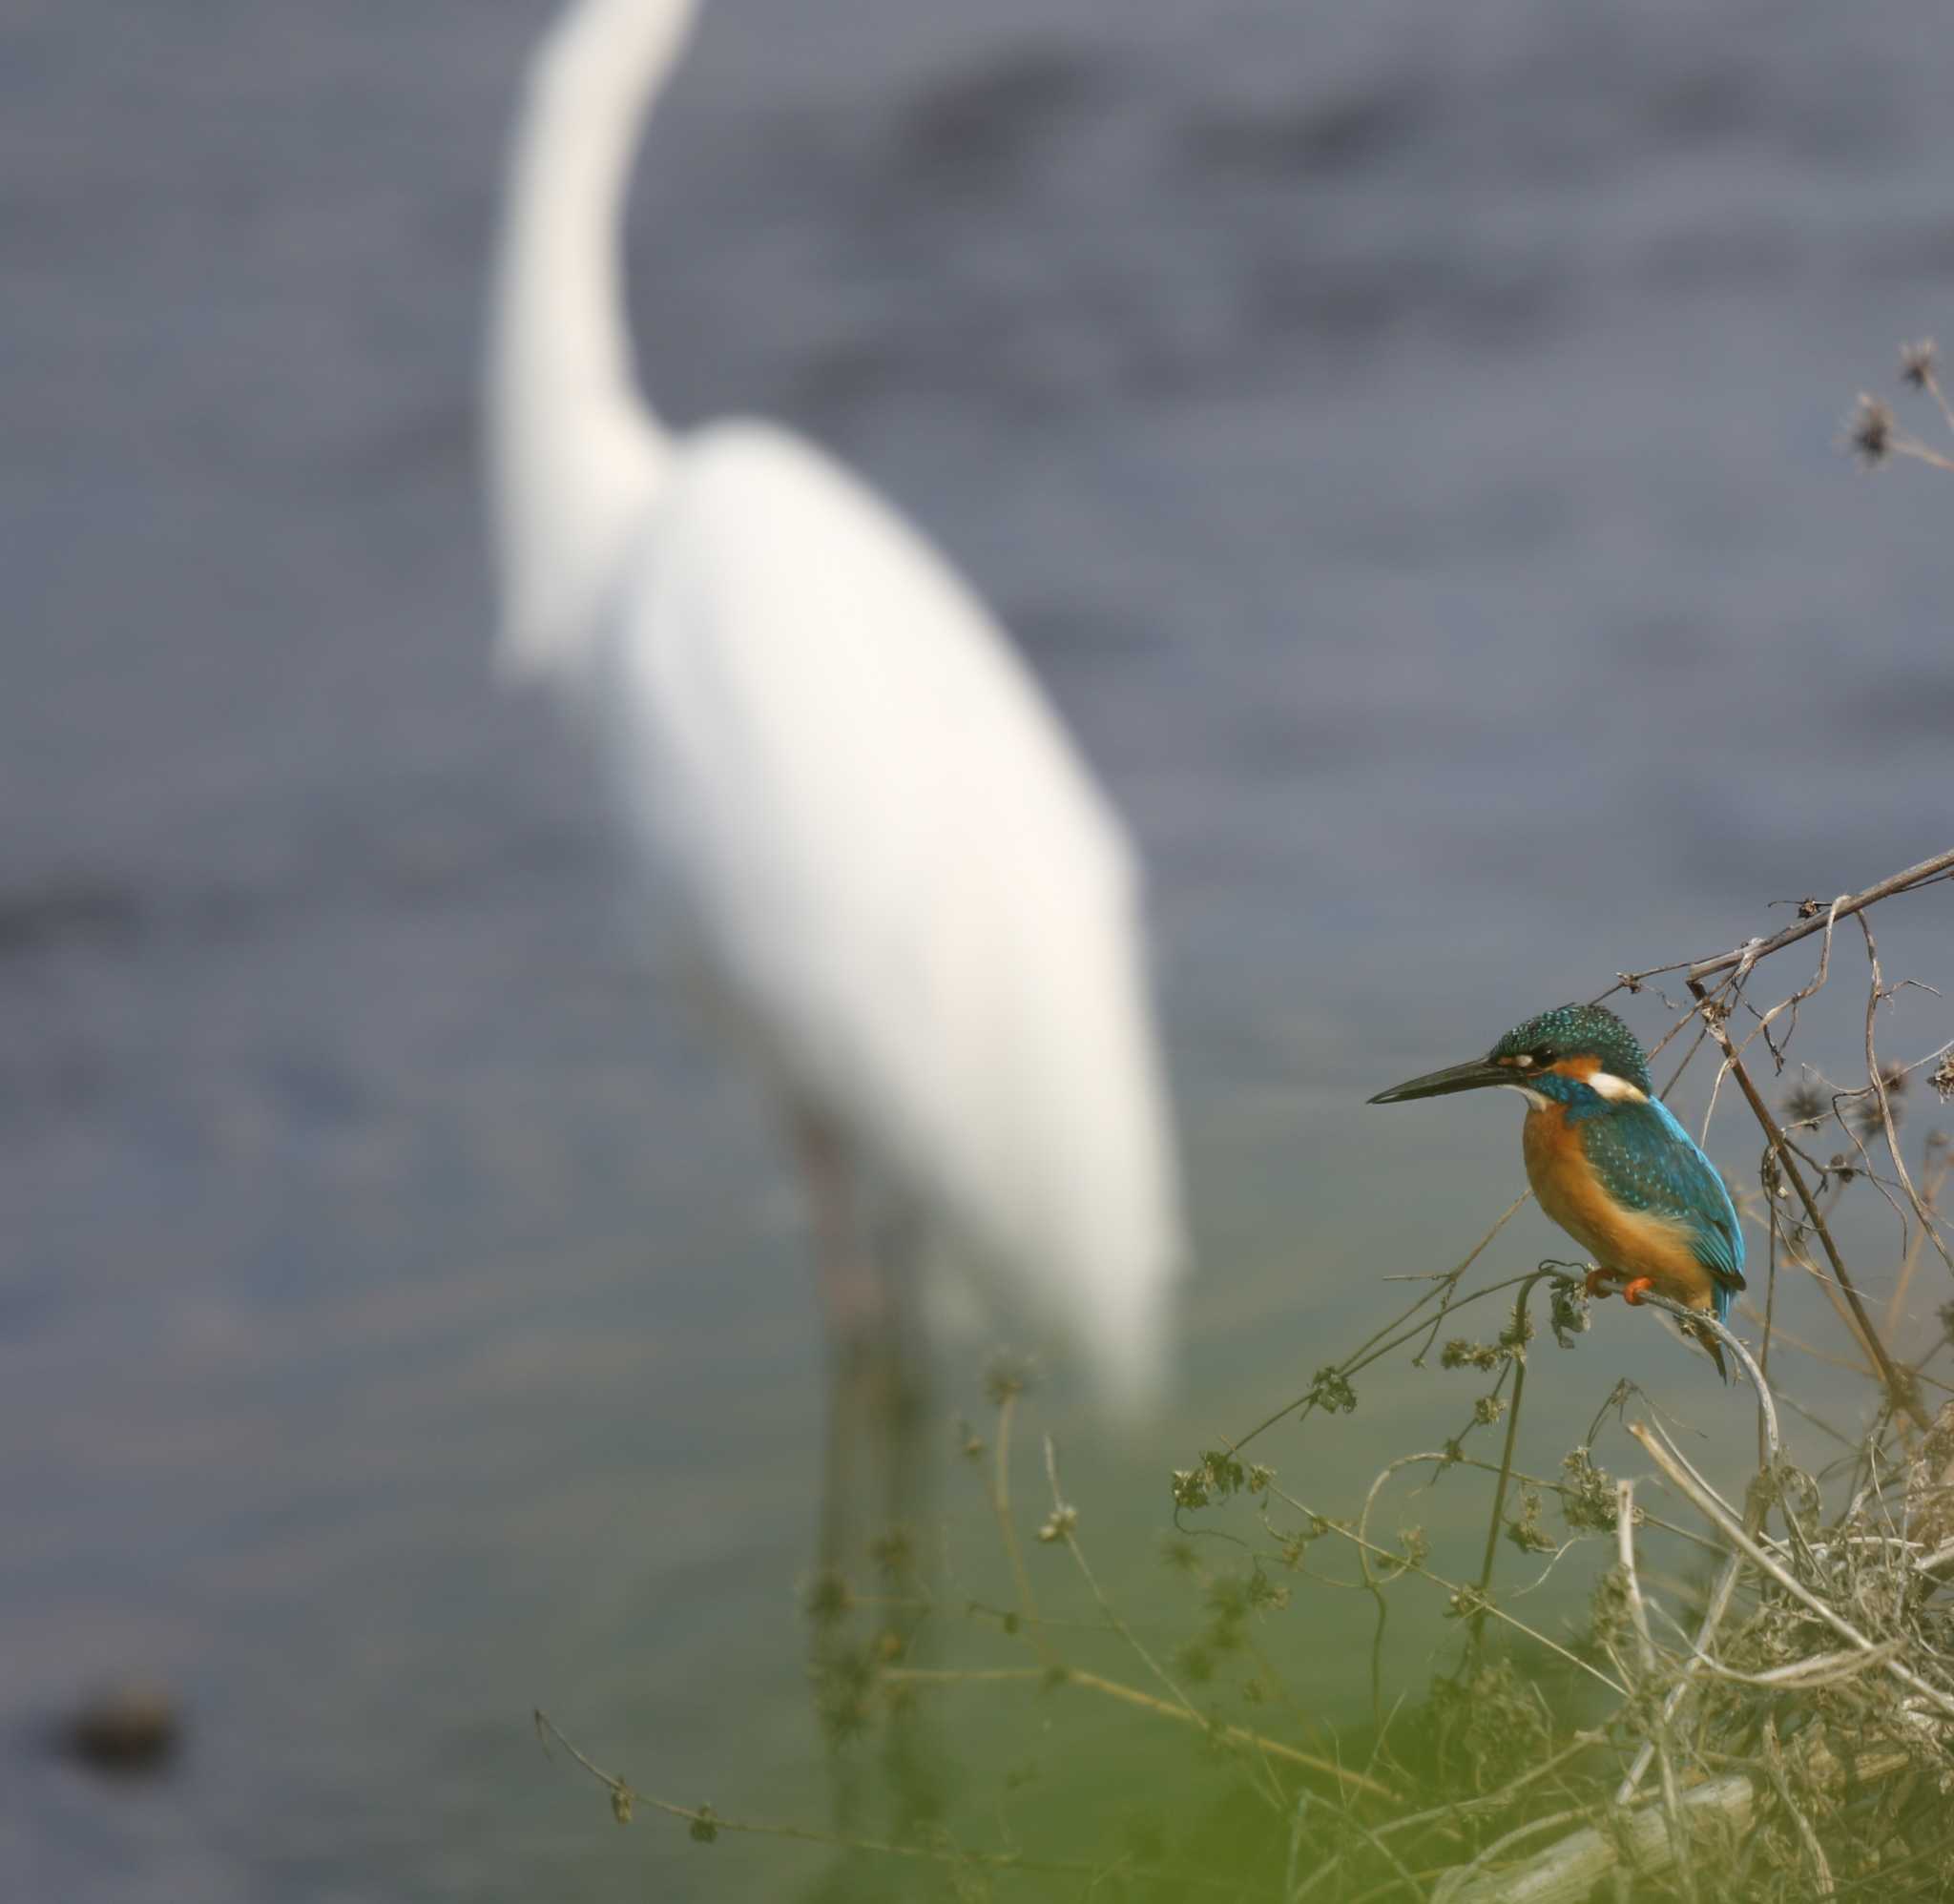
x=1647 y=1161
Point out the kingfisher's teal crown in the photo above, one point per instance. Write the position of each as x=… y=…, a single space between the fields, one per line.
x=1578 y=1031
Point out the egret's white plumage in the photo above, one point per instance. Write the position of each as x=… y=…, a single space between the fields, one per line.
x=904 y=877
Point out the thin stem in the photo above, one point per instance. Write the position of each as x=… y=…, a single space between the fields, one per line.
x=1770 y=1314
x=1001 y=1506
x=1934 y=1175
x=1638 y=1614
x=706 y=1823
x=1062 y=1519
x=1499 y=1493
x=1132 y=1695
x=1904 y=444
x=1455 y=1588
x=1443 y=1286
x=1877 y=1082
x=1767 y=1408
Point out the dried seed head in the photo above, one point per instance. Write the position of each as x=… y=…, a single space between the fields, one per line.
x=1589 y=1503
x=1869 y=1117
x=1567 y=1310
x=1006 y=1377
x=1803 y=1104
x=1869 y=434
x=1219 y=1477
x=1525 y=1530
x=1917 y=363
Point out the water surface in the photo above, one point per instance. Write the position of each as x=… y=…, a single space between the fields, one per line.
x=1408 y=457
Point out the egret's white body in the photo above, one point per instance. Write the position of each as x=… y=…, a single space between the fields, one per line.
x=905 y=879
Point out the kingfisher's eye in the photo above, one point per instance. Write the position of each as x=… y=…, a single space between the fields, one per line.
x=1540 y=1059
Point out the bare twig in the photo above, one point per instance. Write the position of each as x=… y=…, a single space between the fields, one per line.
x=1937 y=867
x=1874 y=1077
x=1697 y=1318
x=1638 y=1614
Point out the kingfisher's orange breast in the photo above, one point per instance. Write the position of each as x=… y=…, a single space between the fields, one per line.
x=1631 y=1242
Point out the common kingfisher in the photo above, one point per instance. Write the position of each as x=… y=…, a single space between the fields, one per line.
x=1609 y=1161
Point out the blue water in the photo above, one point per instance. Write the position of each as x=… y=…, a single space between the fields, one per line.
x=1407 y=452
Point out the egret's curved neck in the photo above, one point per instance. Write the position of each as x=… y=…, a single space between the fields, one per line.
x=575 y=454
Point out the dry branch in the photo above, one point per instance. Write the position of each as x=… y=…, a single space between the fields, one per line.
x=1747 y=955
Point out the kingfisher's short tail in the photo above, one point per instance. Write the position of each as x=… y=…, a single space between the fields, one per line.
x=1710 y=1346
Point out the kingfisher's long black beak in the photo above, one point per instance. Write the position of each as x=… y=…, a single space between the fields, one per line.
x=1474 y=1075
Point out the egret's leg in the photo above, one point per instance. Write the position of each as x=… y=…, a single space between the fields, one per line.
x=913 y=1754
x=900 y=1393
x=852 y=1304
x=875 y=1415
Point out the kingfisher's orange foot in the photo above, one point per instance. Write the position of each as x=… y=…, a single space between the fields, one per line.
x=1633 y=1292
x=1599 y=1282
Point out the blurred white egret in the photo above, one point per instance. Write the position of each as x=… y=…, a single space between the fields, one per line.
x=905 y=884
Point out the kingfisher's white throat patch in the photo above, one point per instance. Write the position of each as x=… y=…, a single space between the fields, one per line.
x=1617 y=1090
